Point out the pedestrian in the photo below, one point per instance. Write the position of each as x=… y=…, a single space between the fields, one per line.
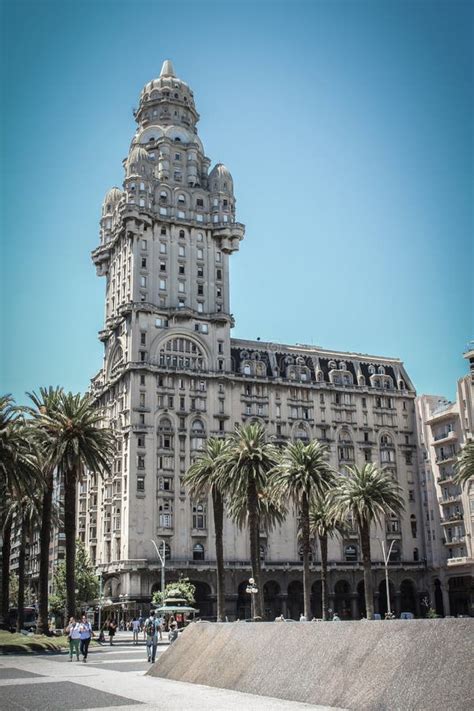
x=173 y=633
x=336 y=618
x=151 y=631
x=112 y=630
x=160 y=627
x=74 y=636
x=86 y=633
x=303 y=617
x=135 y=630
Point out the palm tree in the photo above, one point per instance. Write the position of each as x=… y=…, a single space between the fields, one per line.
x=323 y=525
x=303 y=473
x=465 y=463
x=44 y=403
x=272 y=512
x=202 y=479
x=244 y=474
x=16 y=476
x=75 y=441
x=367 y=495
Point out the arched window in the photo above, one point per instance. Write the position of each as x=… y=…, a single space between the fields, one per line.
x=182 y=353
x=301 y=433
x=350 y=553
x=198 y=427
x=413 y=525
x=182 y=234
x=395 y=554
x=200 y=515
x=345 y=447
x=198 y=552
x=181 y=199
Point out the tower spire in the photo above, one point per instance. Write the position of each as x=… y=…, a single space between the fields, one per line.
x=167 y=70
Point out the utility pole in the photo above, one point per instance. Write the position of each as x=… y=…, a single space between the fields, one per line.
x=162 y=557
x=386 y=558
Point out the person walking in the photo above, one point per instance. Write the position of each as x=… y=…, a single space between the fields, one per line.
x=112 y=630
x=74 y=636
x=135 y=629
x=86 y=633
x=151 y=631
x=160 y=622
x=173 y=633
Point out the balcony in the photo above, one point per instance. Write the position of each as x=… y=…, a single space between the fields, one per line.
x=451 y=435
x=461 y=560
x=452 y=519
x=446 y=458
x=454 y=541
x=454 y=498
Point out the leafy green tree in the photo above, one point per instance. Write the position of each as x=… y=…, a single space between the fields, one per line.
x=302 y=474
x=44 y=403
x=182 y=588
x=202 y=479
x=75 y=440
x=244 y=474
x=465 y=464
x=366 y=494
x=86 y=582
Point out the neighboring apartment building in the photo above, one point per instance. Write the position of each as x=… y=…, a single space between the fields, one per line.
x=448 y=509
x=172 y=376
x=57 y=551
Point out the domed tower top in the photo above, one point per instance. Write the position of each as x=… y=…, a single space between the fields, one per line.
x=220 y=180
x=167 y=100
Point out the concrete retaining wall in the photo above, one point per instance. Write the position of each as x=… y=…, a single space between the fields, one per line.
x=419 y=665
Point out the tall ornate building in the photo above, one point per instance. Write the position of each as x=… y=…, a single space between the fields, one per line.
x=172 y=375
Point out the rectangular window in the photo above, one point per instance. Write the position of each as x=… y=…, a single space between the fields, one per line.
x=162 y=283
x=200 y=253
x=200 y=272
x=181 y=250
x=162 y=266
x=218 y=274
x=162 y=248
x=143 y=338
x=200 y=289
x=181 y=287
x=140 y=483
x=200 y=307
x=143 y=262
x=141 y=461
x=163 y=211
x=144 y=244
x=161 y=323
x=181 y=269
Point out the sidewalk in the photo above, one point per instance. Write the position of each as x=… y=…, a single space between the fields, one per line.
x=53 y=684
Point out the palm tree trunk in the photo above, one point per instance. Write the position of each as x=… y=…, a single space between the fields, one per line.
x=306 y=551
x=364 y=529
x=70 y=535
x=254 y=523
x=45 y=539
x=20 y=621
x=323 y=542
x=218 y=509
x=6 y=548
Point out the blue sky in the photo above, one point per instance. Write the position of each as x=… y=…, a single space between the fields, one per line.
x=347 y=127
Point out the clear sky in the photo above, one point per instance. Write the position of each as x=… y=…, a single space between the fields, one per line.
x=348 y=128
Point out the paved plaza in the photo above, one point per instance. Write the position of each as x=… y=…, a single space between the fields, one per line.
x=114 y=678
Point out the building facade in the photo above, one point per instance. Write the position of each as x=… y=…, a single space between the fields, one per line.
x=172 y=376
x=448 y=509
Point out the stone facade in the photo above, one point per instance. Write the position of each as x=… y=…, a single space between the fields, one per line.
x=172 y=375
x=448 y=509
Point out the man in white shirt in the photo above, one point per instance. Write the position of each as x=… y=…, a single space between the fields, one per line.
x=135 y=630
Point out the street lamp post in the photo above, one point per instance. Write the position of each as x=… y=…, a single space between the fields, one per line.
x=386 y=558
x=100 y=601
x=252 y=590
x=162 y=557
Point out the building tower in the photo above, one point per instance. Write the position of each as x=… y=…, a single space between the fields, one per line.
x=166 y=240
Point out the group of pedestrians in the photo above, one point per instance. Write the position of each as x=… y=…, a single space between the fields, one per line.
x=79 y=634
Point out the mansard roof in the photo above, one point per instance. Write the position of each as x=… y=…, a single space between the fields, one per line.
x=277 y=357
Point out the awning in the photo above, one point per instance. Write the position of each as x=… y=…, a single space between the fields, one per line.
x=176 y=608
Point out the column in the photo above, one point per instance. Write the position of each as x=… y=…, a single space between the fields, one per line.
x=354 y=598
